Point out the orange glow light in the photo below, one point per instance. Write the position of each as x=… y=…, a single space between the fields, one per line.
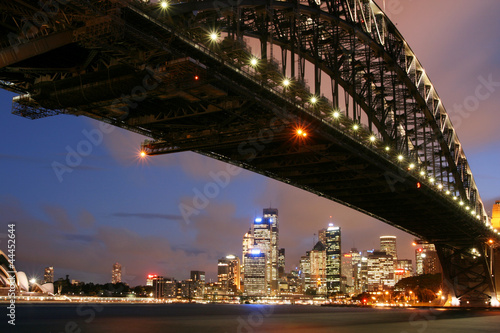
x=143 y=153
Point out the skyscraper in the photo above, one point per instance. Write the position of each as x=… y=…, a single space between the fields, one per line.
x=198 y=276
x=116 y=273
x=48 y=275
x=305 y=271
x=255 y=273
x=380 y=271
x=333 y=259
x=388 y=245
x=228 y=273
x=248 y=242
x=198 y=280
x=318 y=267
x=427 y=260
x=266 y=238
x=404 y=269
x=347 y=273
x=271 y=214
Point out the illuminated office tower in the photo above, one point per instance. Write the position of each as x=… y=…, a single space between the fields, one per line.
x=198 y=278
x=388 y=245
x=333 y=259
x=271 y=214
x=380 y=271
x=48 y=275
x=356 y=269
x=318 y=268
x=404 y=269
x=348 y=272
x=262 y=241
x=248 y=242
x=427 y=260
x=228 y=273
x=255 y=273
x=266 y=237
x=116 y=273
x=305 y=271
x=150 y=278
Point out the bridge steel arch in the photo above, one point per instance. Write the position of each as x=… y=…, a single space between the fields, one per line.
x=361 y=50
x=119 y=45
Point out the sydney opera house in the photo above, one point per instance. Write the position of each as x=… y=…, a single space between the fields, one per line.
x=12 y=281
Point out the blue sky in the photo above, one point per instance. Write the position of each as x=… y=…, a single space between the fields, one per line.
x=114 y=207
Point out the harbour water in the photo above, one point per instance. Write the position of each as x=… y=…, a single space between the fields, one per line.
x=179 y=318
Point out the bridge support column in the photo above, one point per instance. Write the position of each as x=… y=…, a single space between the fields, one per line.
x=496 y=274
x=468 y=274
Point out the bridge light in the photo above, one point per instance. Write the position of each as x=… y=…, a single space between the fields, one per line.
x=455 y=198
x=419 y=185
x=301 y=132
x=196 y=77
x=164 y=4
x=214 y=36
x=400 y=157
x=143 y=153
x=432 y=180
x=372 y=138
x=422 y=173
x=355 y=127
x=448 y=192
x=411 y=166
x=467 y=208
x=314 y=100
x=440 y=186
x=254 y=61
x=336 y=114
x=461 y=203
x=286 y=83
x=387 y=148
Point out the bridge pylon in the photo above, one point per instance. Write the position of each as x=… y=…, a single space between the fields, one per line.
x=469 y=273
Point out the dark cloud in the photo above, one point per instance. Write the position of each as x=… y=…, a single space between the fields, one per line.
x=79 y=238
x=151 y=216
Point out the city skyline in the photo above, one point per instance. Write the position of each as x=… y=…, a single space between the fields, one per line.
x=113 y=206
x=224 y=263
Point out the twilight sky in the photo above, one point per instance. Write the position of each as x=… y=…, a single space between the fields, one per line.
x=112 y=207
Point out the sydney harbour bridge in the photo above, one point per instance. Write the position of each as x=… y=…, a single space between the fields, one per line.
x=324 y=95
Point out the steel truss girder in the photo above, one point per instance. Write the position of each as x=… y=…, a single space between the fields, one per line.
x=368 y=57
